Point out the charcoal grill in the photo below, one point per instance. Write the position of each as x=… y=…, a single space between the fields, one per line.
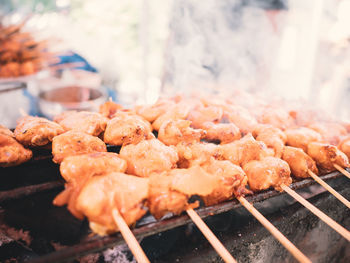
x=33 y=230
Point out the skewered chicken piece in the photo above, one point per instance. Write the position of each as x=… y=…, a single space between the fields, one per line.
x=299 y=162
x=244 y=150
x=331 y=132
x=241 y=117
x=149 y=156
x=91 y=123
x=74 y=143
x=301 y=137
x=273 y=138
x=232 y=181
x=6 y=131
x=11 y=152
x=36 y=131
x=202 y=115
x=191 y=154
x=127 y=128
x=162 y=199
x=173 y=132
x=178 y=111
x=267 y=172
x=222 y=132
x=152 y=112
x=102 y=194
x=170 y=191
x=77 y=170
x=275 y=116
x=327 y=155
x=344 y=146
x=209 y=119
x=109 y=108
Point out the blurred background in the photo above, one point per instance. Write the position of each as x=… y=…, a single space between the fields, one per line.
x=75 y=54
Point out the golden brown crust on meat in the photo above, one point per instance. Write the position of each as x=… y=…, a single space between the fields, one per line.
x=36 y=131
x=74 y=143
x=12 y=152
x=91 y=123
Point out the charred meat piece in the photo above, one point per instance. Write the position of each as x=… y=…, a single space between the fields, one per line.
x=75 y=143
x=36 y=131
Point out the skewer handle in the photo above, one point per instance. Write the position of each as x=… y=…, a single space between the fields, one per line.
x=274 y=231
x=129 y=238
x=329 y=221
x=329 y=189
x=222 y=251
x=342 y=170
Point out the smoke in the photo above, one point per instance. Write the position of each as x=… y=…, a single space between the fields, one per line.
x=226 y=43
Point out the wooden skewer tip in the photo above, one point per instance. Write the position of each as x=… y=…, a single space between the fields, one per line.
x=329 y=189
x=129 y=238
x=218 y=246
x=329 y=221
x=274 y=231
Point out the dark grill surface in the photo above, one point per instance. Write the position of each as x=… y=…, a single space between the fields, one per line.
x=34 y=230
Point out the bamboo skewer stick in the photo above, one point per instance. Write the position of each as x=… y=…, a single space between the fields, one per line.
x=329 y=221
x=342 y=170
x=129 y=238
x=222 y=251
x=329 y=189
x=274 y=231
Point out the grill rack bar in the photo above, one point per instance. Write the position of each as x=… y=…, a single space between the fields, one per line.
x=151 y=226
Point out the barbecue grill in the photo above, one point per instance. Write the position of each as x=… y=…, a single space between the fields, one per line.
x=34 y=230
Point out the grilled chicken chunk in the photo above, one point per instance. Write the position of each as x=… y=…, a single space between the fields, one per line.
x=331 y=132
x=327 y=155
x=127 y=128
x=232 y=181
x=12 y=152
x=91 y=123
x=267 y=172
x=301 y=137
x=273 y=138
x=109 y=108
x=173 y=132
x=191 y=154
x=36 y=131
x=6 y=131
x=162 y=199
x=244 y=150
x=77 y=170
x=299 y=162
x=149 y=156
x=152 y=112
x=75 y=143
x=102 y=194
x=344 y=146
x=222 y=132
